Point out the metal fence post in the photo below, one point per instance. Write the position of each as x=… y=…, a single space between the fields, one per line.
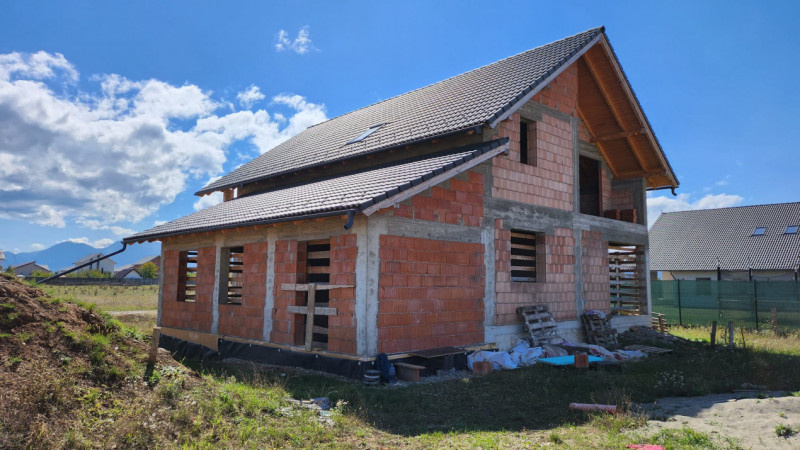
x=755 y=301
x=680 y=310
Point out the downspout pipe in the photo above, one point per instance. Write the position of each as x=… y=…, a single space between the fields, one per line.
x=124 y=246
x=351 y=217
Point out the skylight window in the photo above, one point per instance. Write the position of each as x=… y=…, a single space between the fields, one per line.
x=759 y=231
x=364 y=135
x=791 y=229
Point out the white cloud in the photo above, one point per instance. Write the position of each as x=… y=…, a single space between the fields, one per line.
x=300 y=45
x=100 y=243
x=117 y=155
x=724 y=181
x=249 y=96
x=159 y=222
x=37 y=246
x=208 y=200
x=663 y=203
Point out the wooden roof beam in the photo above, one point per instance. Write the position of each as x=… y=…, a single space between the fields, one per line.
x=620 y=135
x=591 y=65
x=592 y=132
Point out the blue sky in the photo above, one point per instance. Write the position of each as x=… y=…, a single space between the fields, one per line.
x=112 y=114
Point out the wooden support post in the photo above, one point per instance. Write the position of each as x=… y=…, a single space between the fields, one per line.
x=154 y=345
x=312 y=298
x=713 y=333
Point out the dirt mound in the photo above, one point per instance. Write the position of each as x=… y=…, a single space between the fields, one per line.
x=650 y=336
x=56 y=358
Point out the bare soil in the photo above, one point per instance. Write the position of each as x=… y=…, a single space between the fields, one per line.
x=748 y=418
x=59 y=360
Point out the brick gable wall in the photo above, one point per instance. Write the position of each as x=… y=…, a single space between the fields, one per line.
x=430 y=294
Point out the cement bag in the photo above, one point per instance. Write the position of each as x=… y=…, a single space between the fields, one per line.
x=499 y=360
x=529 y=356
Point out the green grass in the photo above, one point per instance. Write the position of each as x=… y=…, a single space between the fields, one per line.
x=108 y=298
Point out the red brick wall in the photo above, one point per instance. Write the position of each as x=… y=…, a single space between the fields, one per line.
x=342 y=326
x=458 y=200
x=289 y=268
x=247 y=320
x=188 y=315
x=621 y=198
x=430 y=294
x=549 y=182
x=594 y=262
x=561 y=93
x=558 y=289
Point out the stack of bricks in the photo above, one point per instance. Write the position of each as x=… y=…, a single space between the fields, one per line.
x=247 y=320
x=289 y=268
x=594 y=261
x=430 y=294
x=547 y=183
x=455 y=201
x=342 y=326
x=558 y=289
x=188 y=315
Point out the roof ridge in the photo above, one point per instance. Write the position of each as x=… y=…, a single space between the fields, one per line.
x=730 y=207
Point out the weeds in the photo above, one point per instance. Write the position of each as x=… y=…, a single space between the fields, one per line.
x=784 y=431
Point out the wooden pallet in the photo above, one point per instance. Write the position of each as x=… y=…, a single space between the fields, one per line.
x=538 y=321
x=598 y=330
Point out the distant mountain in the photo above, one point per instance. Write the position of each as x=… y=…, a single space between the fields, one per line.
x=62 y=255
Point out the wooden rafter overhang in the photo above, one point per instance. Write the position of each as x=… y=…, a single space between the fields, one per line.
x=614 y=118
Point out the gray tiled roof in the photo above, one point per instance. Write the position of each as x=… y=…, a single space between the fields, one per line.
x=465 y=101
x=693 y=240
x=336 y=195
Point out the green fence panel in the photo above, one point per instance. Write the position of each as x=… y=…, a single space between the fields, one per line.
x=748 y=304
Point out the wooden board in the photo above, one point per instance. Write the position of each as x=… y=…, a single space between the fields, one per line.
x=437 y=352
x=647 y=349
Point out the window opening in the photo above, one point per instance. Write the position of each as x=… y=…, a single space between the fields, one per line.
x=187 y=276
x=364 y=135
x=527 y=143
x=589 y=186
x=791 y=229
x=759 y=231
x=231 y=275
x=626 y=286
x=523 y=256
x=318 y=270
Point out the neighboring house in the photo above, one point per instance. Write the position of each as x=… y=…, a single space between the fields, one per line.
x=25 y=270
x=127 y=271
x=131 y=270
x=155 y=259
x=430 y=216
x=104 y=266
x=760 y=242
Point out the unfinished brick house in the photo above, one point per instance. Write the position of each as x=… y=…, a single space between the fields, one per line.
x=424 y=221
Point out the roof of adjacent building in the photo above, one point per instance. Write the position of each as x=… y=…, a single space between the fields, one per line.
x=19 y=266
x=331 y=196
x=473 y=99
x=695 y=240
x=145 y=260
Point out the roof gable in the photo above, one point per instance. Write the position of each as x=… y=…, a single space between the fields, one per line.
x=696 y=240
x=481 y=97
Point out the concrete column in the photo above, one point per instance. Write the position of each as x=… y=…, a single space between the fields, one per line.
x=489 y=259
x=361 y=300
x=576 y=167
x=577 y=233
x=376 y=226
x=269 y=300
x=161 y=287
x=215 y=295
